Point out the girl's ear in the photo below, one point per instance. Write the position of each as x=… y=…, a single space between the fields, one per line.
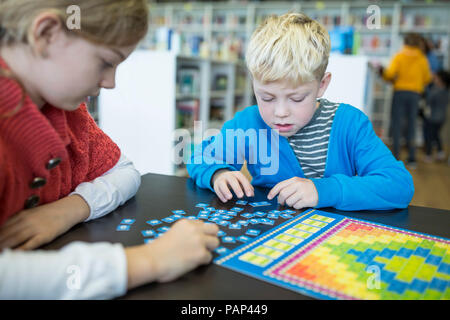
x=323 y=85
x=44 y=31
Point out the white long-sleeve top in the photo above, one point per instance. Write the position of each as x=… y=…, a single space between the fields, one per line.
x=79 y=270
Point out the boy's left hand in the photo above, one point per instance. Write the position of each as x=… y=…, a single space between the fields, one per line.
x=31 y=228
x=295 y=192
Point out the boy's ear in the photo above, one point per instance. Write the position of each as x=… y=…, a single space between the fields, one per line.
x=323 y=85
x=44 y=31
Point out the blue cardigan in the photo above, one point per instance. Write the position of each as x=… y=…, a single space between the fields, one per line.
x=360 y=173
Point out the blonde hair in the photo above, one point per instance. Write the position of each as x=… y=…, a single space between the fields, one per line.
x=111 y=23
x=291 y=47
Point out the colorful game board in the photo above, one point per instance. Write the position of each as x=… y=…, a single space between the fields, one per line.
x=329 y=256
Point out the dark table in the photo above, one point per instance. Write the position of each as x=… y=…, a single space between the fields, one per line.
x=159 y=195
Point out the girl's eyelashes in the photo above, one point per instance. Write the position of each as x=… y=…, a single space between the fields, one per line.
x=106 y=64
x=267 y=99
x=298 y=100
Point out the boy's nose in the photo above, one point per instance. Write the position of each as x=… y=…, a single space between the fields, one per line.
x=281 y=111
x=109 y=81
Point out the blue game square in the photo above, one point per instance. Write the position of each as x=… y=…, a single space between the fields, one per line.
x=176 y=216
x=273 y=215
x=286 y=216
x=128 y=221
x=148 y=240
x=163 y=229
x=123 y=227
x=226 y=217
x=386 y=276
x=153 y=222
x=231 y=213
x=288 y=211
x=398 y=286
x=202 y=216
x=201 y=205
x=444 y=268
x=267 y=221
x=260 y=214
x=204 y=212
x=247 y=215
x=148 y=233
x=274 y=211
x=223 y=223
x=215 y=215
x=387 y=253
x=254 y=221
x=168 y=220
x=432 y=259
x=214 y=219
x=253 y=232
x=422 y=252
x=236 y=226
x=178 y=211
x=221 y=211
x=210 y=209
x=418 y=285
x=236 y=209
x=221 y=250
x=243 y=222
x=405 y=252
x=228 y=239
x=241 y=202
x=438 y=284
x=243 y=239
x=191 y=218
x=221 y=233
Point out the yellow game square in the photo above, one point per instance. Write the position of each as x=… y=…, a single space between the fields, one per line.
x=288 y=238
x=252 y=258
x=278 y=245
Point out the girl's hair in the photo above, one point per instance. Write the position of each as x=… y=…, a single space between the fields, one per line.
x=111 y=23
x=291 y=47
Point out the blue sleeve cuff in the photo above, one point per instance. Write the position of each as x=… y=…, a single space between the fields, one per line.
x=329 y=191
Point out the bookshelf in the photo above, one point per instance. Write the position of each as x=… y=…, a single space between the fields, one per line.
x=190 y=67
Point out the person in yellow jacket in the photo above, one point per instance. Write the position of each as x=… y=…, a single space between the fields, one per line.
x=410 y=73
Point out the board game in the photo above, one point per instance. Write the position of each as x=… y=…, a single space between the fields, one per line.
x=329 y=256
x=320 y=254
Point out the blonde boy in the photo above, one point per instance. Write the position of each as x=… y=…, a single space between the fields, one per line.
x=327 y=153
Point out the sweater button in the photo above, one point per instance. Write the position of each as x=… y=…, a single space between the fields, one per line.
x=52 y=163
x=38 y=182
x=32 y=202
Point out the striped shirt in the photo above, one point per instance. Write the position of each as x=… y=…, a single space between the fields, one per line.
x=310 y=143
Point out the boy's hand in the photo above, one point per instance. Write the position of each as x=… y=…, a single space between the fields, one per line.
x=295 y=192
x=224 y=179
x=34 y=227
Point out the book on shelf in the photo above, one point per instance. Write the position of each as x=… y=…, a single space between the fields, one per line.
x=186 y=113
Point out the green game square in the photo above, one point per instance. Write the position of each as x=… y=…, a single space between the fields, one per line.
x=357 y=267
x=389 y=295
x=381 y=260
x=438 y=251
x=427 y=244
x=411 y=295
x=347 y=259
x=395 y=264
x=395 y=245
x=426 y=272
x=447 y=294
x=446 y=258
x=378 y=246
x=411 y=245
x=431 y=294
x=361 y=246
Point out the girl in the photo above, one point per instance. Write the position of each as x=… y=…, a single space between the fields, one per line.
x=57 y=168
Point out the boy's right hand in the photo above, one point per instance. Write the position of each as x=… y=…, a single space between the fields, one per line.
x=181 y=249
x=224 y=179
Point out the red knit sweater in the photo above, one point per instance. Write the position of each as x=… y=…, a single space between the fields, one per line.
x=32 y=137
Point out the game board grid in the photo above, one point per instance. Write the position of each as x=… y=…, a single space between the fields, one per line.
x=238 y=251
x=292 y=259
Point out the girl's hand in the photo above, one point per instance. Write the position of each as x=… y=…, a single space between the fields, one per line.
x=34 y=227
x=224 y=179
x=184 y=247
x=295 y=192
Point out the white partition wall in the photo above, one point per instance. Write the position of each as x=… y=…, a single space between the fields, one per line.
x=139 y=113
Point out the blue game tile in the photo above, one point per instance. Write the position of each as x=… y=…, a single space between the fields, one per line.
x=215 y=215
x=204 y=212
x=286 y=216
x=153 y=222
x=364 y=259
x=223 y=223
x=191 y=218
x=123 y=227
x=288 y=211
x=128 y=221
x=236 y=209
x=247 y=215
x=178 y=211
x=242 y=222
x=210 y=209
x=386 y=276
x=231 y=213
x=221 y=233
x=254 y=221
x=163 y=229
x=215 y=219
x=221 y=250
x=241 y=202
x=252 y=232
x=228 y=239
x=236 y=226
x=354 y=252
x=243 y=239
x=148 y=240
x=226 y=217
x=168 y=220
x=273 y=216
x=260 y=214
x=201 y=205
x=200 y=216
x=274 y=211
x=148 y=233
x=432 y=259
x=221 y=211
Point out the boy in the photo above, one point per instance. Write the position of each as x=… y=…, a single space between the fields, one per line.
x=322 y=154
